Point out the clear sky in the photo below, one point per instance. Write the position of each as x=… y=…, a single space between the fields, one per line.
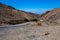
x=35 y=6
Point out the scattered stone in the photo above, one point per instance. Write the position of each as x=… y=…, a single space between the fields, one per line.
x=47 y=33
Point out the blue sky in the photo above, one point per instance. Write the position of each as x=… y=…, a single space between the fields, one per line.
x=35 y=6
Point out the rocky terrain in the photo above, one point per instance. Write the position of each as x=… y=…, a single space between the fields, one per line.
x=52 y=17
x=10 y=15
x=29 y=31
x=20 y=25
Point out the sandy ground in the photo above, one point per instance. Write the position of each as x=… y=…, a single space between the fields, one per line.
x=29 y=31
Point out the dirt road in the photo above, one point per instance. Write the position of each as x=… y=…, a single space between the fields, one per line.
x=29 y=32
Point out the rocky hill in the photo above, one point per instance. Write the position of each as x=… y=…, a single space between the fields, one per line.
x=52 y=17
x=30 y=30
x=10 y=15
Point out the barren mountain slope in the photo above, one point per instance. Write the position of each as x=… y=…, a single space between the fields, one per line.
x=11 y=15
x=52 y=16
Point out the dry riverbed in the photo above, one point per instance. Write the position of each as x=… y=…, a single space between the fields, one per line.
x=29 y=31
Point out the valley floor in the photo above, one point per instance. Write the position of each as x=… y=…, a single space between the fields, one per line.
x=29 y=31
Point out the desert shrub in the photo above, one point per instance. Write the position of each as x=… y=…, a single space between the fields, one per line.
x=34 y=20
x=13 y=22
x=26 y=20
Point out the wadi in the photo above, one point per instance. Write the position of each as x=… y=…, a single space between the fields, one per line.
x=21 y=25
